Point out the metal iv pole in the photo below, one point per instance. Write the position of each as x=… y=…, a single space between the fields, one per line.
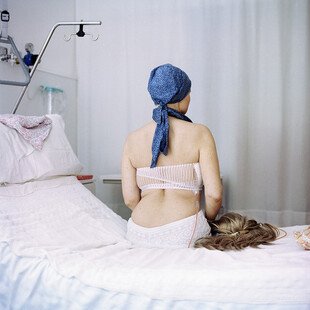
x=80 y=33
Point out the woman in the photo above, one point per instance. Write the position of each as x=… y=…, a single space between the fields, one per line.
x=165 y=197
x=164 y=192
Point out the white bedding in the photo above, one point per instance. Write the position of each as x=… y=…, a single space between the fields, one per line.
x=61 y=221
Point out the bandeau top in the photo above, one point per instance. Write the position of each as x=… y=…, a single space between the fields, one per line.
x=183 y=176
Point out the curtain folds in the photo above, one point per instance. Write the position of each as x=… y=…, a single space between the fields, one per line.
x=249 y=64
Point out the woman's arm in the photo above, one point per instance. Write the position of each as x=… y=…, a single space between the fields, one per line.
x=131 y=192
x=209 y=165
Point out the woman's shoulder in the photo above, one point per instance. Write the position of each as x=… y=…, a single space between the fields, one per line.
x=205 y=136
x=138 y=143
x=201 y=127
x=139 y=133
x=202 y=131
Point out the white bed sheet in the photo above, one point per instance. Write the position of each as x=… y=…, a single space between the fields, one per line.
x=32 y=283
x=61 y=222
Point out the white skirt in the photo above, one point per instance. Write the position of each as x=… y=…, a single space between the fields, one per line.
x=178 y=234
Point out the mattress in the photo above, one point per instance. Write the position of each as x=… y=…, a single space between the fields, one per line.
x=56 y=238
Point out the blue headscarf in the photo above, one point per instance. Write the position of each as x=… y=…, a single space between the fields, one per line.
x=167 y=84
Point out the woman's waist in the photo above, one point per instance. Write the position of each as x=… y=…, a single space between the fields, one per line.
x=165 y=195
x=174 y=224
x=152 y=212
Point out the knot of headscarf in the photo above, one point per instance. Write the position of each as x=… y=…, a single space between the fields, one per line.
x=160 y=140
x=167 y=84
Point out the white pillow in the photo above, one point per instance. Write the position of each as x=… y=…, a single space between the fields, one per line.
x=21 y=162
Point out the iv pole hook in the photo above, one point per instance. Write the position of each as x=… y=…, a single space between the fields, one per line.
x=43 y=50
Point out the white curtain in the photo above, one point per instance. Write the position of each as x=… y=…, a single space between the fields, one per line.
x=250 y=70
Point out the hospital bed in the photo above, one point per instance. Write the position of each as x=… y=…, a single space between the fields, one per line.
x=62 y=248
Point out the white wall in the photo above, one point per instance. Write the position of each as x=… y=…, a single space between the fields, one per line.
x=249 y=66
x=31 y=21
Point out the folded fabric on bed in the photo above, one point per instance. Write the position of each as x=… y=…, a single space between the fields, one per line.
x=34 y=129
x=82 y=238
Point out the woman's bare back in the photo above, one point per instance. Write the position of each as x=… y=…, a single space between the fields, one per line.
x=161 y=206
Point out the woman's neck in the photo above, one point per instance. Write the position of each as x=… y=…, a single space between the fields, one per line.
x=174 y=106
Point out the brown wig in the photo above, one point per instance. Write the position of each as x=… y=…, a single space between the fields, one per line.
x=233 y=231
